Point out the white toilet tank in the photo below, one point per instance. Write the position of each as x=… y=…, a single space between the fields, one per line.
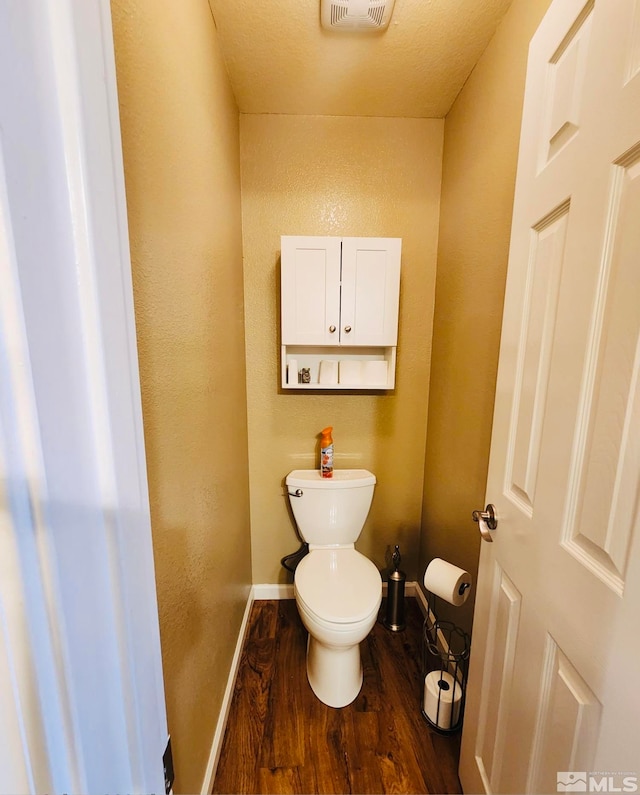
x=333 y=510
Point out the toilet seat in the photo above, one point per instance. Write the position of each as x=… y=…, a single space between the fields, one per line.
x=339 y=586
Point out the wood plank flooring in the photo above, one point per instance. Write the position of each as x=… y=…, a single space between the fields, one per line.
x=281 y=739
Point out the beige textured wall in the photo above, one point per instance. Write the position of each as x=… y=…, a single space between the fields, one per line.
x=181 y=151
x=319 y=175
x=482 y=134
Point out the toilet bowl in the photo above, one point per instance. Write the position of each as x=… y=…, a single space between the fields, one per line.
x=338 y=590
x=338 y=594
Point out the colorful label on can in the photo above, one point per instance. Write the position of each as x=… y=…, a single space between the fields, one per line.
x=326 y=461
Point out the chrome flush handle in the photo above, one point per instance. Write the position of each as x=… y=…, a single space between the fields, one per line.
x=296 y=493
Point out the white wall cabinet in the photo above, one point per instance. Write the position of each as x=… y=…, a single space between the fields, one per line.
x=339 y=303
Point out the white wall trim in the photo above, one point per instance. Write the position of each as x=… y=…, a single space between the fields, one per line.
x=218 y=736
x=417 y=591
x=273 y=590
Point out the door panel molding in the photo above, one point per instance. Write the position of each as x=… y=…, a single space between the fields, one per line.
x=498 y=675
x=534 y=356
x=564 y=89
x=567 y=723
x=601 y=505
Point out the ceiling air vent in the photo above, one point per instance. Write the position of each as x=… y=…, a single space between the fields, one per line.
x=356 y=15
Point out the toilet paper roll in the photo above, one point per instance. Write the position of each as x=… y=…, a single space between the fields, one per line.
x=374 y=372
x=447 y=581
x=328 y=371
x=292 y=371
x=442 y=699
x=350 y=371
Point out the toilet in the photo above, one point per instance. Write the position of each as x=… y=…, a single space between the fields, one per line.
x=338 y=590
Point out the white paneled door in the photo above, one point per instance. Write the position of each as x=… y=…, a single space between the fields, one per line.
x=554 y=696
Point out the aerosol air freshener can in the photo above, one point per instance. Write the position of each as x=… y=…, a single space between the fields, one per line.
x=326 y=453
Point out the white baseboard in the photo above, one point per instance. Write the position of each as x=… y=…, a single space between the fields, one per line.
x=216 y=746
x=265 y=591
x=268 y=590
x=420 y=597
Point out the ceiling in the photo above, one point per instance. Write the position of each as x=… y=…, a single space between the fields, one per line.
x=281 y=61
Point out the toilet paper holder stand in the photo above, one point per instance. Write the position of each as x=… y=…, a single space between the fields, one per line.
x=445 y=666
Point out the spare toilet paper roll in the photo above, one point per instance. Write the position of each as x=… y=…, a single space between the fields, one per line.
x=442 y=699
x=328 y=371
x=447 y=581
x=350 y=371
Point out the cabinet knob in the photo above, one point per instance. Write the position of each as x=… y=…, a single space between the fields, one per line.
x=347 y=329
x=332 y=329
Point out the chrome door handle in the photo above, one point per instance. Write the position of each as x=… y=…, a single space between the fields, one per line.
x=486 y=520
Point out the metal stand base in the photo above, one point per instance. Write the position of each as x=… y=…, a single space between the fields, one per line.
x=439 y=729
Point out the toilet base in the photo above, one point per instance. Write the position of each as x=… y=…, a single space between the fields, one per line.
x=334 y=673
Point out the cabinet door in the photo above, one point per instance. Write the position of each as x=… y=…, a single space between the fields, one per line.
x=370 y=290
x=310 y=290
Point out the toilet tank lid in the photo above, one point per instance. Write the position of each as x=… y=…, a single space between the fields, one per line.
x=342 y=479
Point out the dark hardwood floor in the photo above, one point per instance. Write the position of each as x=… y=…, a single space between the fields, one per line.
x=281 y=739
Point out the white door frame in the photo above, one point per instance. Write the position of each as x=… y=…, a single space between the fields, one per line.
x=81 y=692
